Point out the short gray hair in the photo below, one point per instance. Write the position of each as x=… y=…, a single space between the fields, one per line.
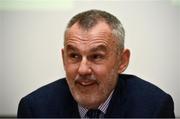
x=90 y=18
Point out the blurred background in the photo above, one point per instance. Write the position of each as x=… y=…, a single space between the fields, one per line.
x=31 y=38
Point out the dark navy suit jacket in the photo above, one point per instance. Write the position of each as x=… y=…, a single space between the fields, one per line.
x=132 y=97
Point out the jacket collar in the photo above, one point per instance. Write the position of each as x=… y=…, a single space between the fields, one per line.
x=116 y=107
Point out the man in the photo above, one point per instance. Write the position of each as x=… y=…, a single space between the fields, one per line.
x=94 y=58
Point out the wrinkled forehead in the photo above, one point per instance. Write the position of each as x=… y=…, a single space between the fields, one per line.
x=99 y=38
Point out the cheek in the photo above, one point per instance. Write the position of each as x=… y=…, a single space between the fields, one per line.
x=71 y=71
x=99 y=70
x=103 y=70
x=109 y=80
x=106 y=74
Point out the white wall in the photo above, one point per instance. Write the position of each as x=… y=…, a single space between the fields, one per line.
x=30 y=43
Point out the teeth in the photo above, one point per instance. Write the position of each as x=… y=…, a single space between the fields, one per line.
x=84 y=83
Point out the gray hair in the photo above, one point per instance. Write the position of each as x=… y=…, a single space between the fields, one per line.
x=90 y=18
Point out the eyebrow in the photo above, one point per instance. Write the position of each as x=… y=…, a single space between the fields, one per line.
x=71 y=47
x=99 y=48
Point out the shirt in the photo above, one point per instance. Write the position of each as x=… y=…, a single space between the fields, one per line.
x=103 y=107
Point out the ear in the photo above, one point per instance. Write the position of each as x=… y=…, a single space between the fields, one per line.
x=63 y=56
x=124 y=60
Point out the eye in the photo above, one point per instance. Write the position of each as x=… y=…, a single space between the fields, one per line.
x=74 y=56
x=97 y=57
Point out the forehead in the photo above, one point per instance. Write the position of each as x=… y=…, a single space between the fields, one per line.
x=101 y=33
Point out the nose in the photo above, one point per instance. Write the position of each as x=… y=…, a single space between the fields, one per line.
x=84 y=67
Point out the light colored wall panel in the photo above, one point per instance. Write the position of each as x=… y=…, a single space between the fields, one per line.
x=31 y=40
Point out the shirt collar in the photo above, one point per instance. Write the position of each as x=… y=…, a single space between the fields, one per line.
x=103 y=107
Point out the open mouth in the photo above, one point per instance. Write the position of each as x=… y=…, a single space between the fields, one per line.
x=86 y=82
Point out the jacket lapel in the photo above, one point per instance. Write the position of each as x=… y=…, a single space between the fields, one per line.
x=71 y=110
x=117 y=106
x=67 y=105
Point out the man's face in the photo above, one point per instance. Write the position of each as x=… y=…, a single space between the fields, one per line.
x=91 y=63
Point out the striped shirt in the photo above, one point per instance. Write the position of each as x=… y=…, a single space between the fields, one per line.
x=103 y=107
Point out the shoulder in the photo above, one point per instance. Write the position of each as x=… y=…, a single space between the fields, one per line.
x=137 y=86
x=50 y=95
x=49 y=90
x=143 y=96
x=50 y=100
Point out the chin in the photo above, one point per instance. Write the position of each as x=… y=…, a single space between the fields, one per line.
x=88 y=101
